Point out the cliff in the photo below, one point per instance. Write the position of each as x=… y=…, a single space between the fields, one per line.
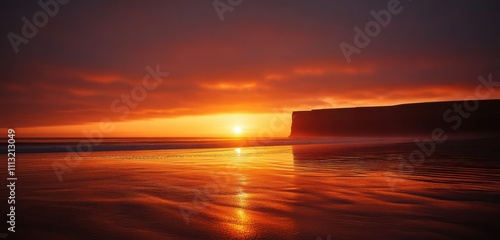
x=419 y=119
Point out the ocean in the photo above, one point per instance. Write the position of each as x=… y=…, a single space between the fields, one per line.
x=192 y=188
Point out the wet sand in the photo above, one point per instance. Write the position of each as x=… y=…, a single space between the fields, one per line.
x=348 y=191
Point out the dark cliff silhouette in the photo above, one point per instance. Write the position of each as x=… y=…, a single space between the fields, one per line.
x=455 y=118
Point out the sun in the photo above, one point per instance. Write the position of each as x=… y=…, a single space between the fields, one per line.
x=237 y=130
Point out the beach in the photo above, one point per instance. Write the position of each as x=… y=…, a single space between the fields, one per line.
x=308 y=191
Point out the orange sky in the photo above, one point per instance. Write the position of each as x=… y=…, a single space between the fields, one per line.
x=265 y=60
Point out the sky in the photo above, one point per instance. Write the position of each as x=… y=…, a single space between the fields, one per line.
x=187 y=68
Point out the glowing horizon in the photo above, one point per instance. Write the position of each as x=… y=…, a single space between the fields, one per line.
x=220 y=125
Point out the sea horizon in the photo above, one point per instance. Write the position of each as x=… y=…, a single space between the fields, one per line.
x=65 y=144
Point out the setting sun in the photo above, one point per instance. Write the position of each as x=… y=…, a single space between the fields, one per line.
x=237 y=130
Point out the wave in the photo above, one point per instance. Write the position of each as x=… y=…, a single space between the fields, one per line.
x=50 y=145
